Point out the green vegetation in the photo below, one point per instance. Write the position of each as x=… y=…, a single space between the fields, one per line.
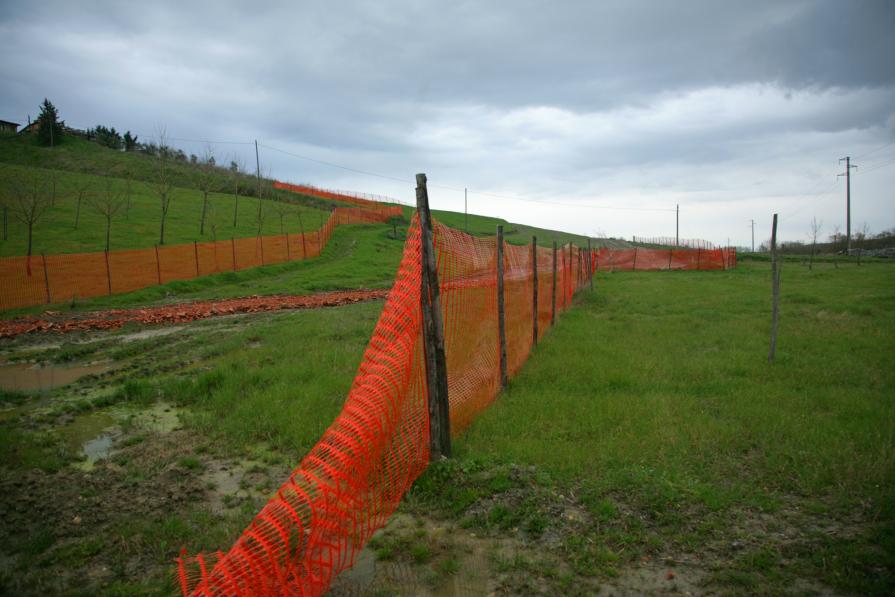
x=137 y=226
x=675 y=417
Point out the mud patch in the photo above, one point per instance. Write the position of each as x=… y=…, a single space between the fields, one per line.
x=42 y=377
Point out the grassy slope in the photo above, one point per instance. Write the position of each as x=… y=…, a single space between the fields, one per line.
x=357 y=256
x=657 y=389
x=56 y=233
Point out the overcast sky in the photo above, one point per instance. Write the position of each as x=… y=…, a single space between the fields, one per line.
x=581 y=116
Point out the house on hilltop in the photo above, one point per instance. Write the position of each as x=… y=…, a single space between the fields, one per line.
x=8 y=127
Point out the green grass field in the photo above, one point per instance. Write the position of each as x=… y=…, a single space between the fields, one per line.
x=138 y=226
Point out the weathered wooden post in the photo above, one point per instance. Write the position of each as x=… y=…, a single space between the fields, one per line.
x=698 y=257
x=553 y=300
x=108 y=273
x=670 y=253
x=158 y=265
x=590 y=264
x=775 y=290
x=534 y=292
x=501 y=314
x=634 y=264
x=433 y=333
x=43 y=258
x=196 y=254
x=304 y=247
x=233 y=250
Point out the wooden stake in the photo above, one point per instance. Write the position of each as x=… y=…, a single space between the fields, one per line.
x=501 y=315
x=634 y=264
x=46 y=278
x=433 y=333
x=590 y=264
x=775 y=290
x=158 y=265
x=108 y=273
x=196 y=253
x=670 y=254
x=233 y=250
x=553 y=301
x=534 y=292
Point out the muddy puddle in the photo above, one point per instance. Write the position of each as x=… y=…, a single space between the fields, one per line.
x=41 y=377
x=93 y=436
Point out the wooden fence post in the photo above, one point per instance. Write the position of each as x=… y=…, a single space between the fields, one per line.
x=433 y=333
x=534 y=293
x=158 y=265
x=501 y=314
x=261 y=238
x=288 y=252
x=108 y=273
x=196 y=255
x=634 y=264
x=590 y=264
x=46 y=277
x=304 y=247
x=233 y=250
x=670 y=254
x=775 y=290
x=553 y=302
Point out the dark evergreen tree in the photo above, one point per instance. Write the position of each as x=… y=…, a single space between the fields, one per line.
x=49 y=129
x=130 y=141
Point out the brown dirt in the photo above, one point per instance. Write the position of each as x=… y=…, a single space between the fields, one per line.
x=54 y=321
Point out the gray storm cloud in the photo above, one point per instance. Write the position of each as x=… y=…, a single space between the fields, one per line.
x=733 y=110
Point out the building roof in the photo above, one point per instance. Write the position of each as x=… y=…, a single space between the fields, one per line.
x=8 y=122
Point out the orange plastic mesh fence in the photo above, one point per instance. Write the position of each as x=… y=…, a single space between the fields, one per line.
x=352 y=480
x=335 y=195
x=57 y=278
x=658 y=259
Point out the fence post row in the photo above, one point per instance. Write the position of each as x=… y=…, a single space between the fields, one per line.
x=553 y=300
x=501 y=320
x=534 y=293
x=433 y=332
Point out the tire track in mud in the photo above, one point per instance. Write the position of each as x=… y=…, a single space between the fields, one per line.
x=54 y=321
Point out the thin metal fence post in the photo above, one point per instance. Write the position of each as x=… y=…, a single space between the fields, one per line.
x=501 y=315
x=433 y=332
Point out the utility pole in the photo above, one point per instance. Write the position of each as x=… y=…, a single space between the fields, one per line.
x=677 y=224
x=847 y=175
x=753 y=235
x=258 y=169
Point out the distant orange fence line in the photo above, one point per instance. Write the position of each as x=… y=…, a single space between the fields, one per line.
x=39 y=279
x=639 y=259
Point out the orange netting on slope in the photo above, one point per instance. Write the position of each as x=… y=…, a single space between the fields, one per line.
x=64 y=277
x=639 y=259
x=342 y=196
x=352 y=480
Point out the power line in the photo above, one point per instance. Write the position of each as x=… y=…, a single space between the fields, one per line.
x=861 y=157
x=879 y=166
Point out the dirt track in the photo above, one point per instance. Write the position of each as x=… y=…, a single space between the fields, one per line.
x=55 y=321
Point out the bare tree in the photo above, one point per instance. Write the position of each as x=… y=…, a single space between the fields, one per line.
x=164 y=179
x=82 y=190
x=205 y=180
x=236 y=168
x=54 y=180
x=107 y=202
x=815 y=230
x=861 y=237
x=283 y=209
x=31 y=198
x=128 y=191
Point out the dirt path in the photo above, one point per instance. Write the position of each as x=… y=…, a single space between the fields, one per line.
x=54 y=321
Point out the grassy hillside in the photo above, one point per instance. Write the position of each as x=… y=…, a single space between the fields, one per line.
x=517 y=234
x=137 y=227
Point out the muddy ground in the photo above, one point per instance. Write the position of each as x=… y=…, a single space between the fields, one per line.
x=102 y=486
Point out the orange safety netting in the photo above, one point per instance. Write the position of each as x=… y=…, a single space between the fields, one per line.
x=56 y=278
x=348 y=485
x=663 y=259
x=342 y=196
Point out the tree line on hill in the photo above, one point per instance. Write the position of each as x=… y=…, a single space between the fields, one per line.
x=167 y=169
